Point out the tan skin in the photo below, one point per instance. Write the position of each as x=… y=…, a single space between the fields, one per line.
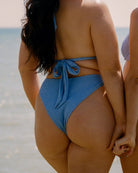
x=130 y=140
x=92 y=126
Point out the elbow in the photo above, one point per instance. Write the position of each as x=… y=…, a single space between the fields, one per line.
x=113 y=73
x=24 y=69
x=113 y=77
x=21 y=69
x=112 y=70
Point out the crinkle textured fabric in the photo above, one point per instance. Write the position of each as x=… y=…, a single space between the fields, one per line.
x=61 y=96
x=125 y=48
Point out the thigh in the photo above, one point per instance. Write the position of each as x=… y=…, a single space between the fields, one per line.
x=90 y=129
x=51 y=141
x=130 y=164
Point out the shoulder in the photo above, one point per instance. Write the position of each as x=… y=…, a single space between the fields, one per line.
x=134 y=14
x=95 y=9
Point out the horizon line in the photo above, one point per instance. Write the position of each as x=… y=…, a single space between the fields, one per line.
x=19 y=27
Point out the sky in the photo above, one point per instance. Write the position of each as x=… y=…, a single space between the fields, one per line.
x=12 y=11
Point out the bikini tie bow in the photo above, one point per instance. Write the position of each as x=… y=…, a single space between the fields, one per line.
x=62 y=69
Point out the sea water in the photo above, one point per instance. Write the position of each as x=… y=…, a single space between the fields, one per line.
x=18 y=151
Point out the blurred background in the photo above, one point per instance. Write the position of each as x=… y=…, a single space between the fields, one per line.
x=18 y=152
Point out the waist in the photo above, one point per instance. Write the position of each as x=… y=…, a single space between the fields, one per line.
x=69 y=68
x=83 y=72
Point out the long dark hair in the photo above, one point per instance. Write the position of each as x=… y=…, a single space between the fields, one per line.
x=38 y=32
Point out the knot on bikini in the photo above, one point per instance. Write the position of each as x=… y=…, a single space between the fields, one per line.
x=62 y=69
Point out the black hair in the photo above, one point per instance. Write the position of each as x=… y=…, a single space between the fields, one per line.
x=38 y=32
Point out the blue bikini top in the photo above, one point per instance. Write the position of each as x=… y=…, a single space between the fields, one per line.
x=62 y=69
x=125 y=48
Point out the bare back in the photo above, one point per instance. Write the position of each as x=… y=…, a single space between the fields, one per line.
x=73 y=32
x=73 y=35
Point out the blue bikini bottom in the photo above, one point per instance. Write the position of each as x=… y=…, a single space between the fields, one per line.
x=77 y=89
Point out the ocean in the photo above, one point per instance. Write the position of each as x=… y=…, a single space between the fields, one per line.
x=18 y=152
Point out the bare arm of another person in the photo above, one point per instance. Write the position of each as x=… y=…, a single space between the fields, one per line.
x=131 y=81
x=106 y=47
x=131 y=88
x=29 y=76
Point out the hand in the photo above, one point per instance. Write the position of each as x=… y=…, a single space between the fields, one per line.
x=125 y=145
x=119 y=131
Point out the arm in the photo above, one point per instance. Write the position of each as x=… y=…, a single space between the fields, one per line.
x=106 y=47
x=131 y=88
x=29 y=77
x=131 y=81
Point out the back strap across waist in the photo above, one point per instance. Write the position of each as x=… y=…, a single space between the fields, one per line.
x=63 y=68
x=79 y=59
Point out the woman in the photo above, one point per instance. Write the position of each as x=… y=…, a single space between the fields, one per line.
x=129 y=143
x=74 y=120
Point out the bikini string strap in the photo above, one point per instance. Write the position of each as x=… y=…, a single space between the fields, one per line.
x=62 y=69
